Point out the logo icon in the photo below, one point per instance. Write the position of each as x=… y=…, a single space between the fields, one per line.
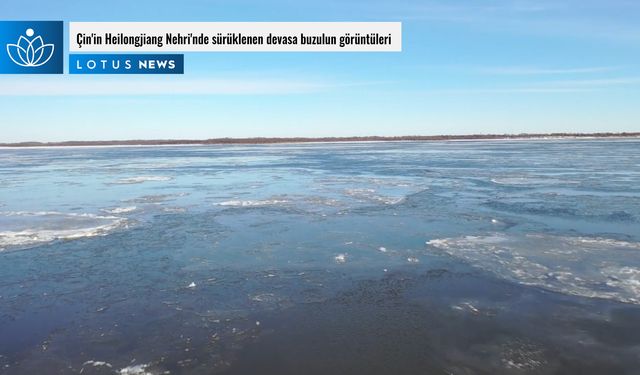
x=31 y=47
x=30 y=52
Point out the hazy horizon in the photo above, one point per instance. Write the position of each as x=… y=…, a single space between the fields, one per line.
x=368 y=138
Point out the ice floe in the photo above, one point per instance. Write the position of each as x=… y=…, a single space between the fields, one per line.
x=530 y=181
x=252 y=203
x=120 y=210
x=466 y=306
x=96 y=364
x=340 y=258
x=370 y=195
x=135 y=370
x=584 y=266
x=23 y=229
x=141 y=179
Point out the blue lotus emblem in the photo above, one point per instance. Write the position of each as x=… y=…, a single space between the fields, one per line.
x=30 y=51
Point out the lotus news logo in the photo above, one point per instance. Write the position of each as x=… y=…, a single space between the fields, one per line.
x=31 y=47
x=30 y=52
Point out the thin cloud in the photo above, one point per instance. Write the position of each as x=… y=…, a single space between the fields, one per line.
x=100 y=86
x=567 y=18
x=594 y=83
x=526 y=71
x=513 y=90
x=549 y=87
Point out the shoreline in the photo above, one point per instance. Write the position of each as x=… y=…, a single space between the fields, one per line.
x=304 y=140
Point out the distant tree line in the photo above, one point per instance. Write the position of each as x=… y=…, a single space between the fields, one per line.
x=265 y=140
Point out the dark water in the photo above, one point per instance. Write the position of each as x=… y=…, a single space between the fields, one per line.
x=372 y=258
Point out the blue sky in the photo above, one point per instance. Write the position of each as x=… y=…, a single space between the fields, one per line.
x=481 y=66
